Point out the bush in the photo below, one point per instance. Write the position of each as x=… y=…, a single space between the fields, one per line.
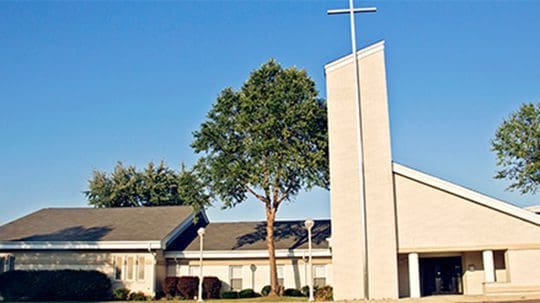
x=305 y=290
x=292 y=292
x=170 y=286
x=55 y=285
x=248 y=293
x=211 y=287
x=324 y=293
x=266 y=290
x=121 y=294
x=137 y=296
x=188 y=286
x=229 y=295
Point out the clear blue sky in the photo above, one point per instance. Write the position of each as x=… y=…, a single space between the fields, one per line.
x=85 y=84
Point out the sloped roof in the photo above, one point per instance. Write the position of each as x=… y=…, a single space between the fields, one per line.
x=252 y=236
x=96 y=224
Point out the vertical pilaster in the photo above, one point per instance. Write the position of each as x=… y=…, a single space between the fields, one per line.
x=414 y=275
x=489 y=266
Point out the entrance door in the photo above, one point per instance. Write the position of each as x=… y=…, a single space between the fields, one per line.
x=440 y=276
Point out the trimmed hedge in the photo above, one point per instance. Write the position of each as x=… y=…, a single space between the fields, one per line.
x=211 y=288
x=188 y=286
x=247 y=293
x=55 y=285
x=293 y=292
x=266 y=290
x=170 y=287
x=229 y=295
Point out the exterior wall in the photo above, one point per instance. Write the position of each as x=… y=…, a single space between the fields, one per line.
x=524 y=267
x=403 y=276
x=346 y=206
x=82 y=260
x=255 y=272
x=473 y=280
x=432 y=220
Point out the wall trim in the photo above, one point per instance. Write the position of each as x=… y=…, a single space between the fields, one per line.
x=75 y=245
x=178 y=230
x=362 y=53
x=467 y=194
x=230 y=254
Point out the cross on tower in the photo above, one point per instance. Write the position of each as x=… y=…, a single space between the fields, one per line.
x=351 y=11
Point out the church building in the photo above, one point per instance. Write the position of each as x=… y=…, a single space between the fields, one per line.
x=399 y=232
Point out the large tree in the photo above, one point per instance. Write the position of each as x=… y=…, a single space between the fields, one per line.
x=517 y=146
x=156 y=185
x=267 y=140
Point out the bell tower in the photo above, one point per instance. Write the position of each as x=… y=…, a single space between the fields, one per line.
x=364 y=238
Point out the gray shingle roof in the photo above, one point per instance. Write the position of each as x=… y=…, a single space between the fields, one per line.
x=96 y=224
x=252 y=236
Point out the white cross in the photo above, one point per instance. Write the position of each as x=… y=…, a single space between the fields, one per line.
x=351 y=11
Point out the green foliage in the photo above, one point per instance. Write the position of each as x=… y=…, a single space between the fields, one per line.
x=121 y=294
x=270 y=135
x=153 y=186
x=248 y=293
x=138 y=296
x=265 y=290
x=517 y=146
x=305 y=290
x=325 y=293
x=292 y=292
x=55 y=285
x=229 y=295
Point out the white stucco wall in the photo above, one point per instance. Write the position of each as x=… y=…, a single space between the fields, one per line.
x=294 y=271
x=101 y=261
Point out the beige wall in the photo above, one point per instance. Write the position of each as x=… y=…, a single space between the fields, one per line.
x=473 y=280
x=101 y=261
x=434 y=220
x=255 y=272
x=524 y=267
x=346 y=206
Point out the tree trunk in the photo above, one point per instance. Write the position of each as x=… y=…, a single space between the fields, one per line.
x=270 y=218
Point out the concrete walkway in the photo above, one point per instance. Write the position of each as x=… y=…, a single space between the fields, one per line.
x=459 y=299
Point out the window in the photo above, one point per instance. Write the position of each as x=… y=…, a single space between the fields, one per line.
x=130 y=264
x=280 y=276
x=118 y=264
x=319 y=275
x=140 y=268
x=7 y=263
x=236 y=277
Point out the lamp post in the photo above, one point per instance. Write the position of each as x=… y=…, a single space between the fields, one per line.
x=201 y=238
x=309 y=225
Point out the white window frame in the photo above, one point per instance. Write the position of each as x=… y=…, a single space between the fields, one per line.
x=138 y=266
x=9 y=263
x=231 y=269
x=133 y=268
x=121 y=266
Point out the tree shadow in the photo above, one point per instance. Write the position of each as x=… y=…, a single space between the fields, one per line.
x=294 y=233
x=76 y=233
